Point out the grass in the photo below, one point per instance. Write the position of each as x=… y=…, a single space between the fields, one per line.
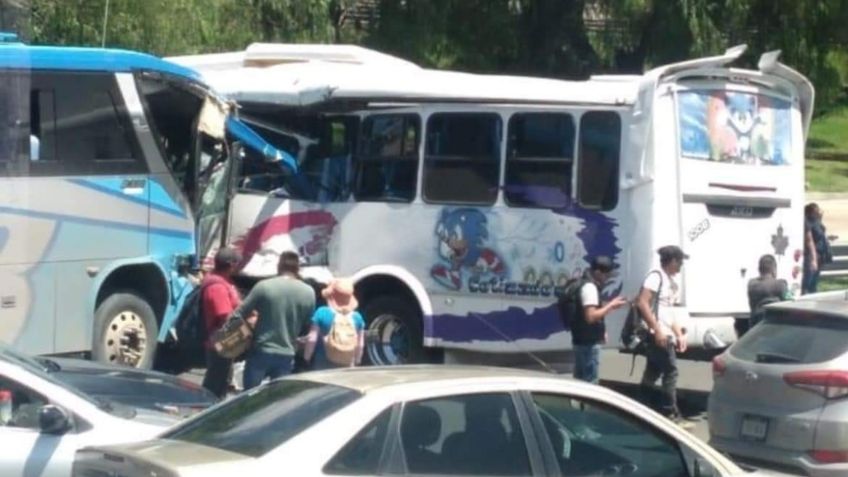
x=827 y=175
x=833 y=283
x=829 y=132
x=827 y=152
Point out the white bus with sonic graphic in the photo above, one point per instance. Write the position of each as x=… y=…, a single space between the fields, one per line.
x=462 y=203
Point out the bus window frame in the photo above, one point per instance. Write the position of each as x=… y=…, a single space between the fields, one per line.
x=135 y=165
x=408 y=118
x=570 y=187
x=499 y=162
x=578 y=186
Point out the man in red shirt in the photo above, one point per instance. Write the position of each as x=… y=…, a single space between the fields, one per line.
x=218 y=299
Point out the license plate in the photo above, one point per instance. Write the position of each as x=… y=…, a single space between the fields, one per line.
x=754 y=428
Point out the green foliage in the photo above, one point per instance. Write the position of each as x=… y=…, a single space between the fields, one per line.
x=829 y=132
x=539 y=37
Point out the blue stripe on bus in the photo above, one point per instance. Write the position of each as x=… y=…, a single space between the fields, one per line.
x=18 y=56
x=102 y=223
x=158 y=198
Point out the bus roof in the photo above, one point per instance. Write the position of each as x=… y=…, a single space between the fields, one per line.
x=300 y=75
x=20 y=56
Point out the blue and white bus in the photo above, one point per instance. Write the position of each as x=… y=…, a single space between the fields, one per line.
x=114 y=170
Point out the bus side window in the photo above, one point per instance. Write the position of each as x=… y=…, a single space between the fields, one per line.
x=540 y=156
x=462 y=158
x=599 y=152
x=82 y=126
x=387 y=163
x=42 y=125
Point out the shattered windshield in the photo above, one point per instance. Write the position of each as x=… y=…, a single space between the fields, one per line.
x=322 y=146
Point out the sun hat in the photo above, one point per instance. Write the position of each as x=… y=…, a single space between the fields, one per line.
x=339 y=295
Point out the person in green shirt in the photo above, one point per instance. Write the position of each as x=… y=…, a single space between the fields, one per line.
x=284 y=305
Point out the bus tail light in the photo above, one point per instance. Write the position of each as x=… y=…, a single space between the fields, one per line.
x=830 y=384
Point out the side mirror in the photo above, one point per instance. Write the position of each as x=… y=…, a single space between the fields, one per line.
x=53 y=420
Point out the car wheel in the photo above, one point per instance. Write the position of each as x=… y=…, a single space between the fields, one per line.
x=394 y=332
x=125 y=331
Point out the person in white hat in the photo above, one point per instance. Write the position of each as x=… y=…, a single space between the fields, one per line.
x=337 y=335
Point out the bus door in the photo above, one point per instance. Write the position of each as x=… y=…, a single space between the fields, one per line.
x=213 y=168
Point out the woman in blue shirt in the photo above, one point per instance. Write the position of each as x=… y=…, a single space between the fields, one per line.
x=341 y=304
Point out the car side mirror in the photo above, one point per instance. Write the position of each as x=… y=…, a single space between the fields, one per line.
x=53 y=420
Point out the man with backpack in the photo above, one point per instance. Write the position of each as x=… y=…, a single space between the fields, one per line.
x=337 y=336
x=218 y=299
x=588 y=330
x=659 y=294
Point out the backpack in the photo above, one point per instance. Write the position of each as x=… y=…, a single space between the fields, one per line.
x=341 y=341
x=190 y=326
x=569 y=304
x=186 y=350
x=634 y=333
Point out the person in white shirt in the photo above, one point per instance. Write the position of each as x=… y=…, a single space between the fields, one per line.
x=588 y=332
x=660 y=293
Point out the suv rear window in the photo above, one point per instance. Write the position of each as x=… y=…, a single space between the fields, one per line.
x=257 y=422
x=794 y=337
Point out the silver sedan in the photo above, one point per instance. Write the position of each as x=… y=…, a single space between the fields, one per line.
x=418 y=420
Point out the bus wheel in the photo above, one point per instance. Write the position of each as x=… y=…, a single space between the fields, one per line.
x=125 y=331
x=394 y=332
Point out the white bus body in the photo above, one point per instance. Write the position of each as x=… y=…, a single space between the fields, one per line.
x=461 y=203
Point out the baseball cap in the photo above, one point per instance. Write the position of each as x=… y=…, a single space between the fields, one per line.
x=602 y=263
x=672 y=252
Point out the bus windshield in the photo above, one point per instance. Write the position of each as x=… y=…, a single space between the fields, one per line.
x=735 y=127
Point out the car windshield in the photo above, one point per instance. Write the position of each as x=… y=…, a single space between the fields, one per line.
x=42 y=368
x=258 y=421
x=793 y=337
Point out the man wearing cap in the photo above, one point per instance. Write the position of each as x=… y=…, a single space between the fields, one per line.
x=589 y=332
x=660 y=293
x=218 y=299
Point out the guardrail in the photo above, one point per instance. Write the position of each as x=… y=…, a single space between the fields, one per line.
x=839 y=266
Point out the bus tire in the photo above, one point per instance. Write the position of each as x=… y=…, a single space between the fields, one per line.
x=125 y=331
x=394 y=332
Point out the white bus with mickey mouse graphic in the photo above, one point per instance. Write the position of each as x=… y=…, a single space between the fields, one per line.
x=461 y=204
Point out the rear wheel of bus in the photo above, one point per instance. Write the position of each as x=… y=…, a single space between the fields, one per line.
x=394 y=332
x=125 y=331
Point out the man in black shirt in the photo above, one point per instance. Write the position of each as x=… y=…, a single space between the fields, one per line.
x=589 y=331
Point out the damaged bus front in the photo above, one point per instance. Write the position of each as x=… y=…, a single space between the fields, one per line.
x=114 y=168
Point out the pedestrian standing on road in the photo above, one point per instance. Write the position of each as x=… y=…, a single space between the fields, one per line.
x=337 y=336
x=765 y=289
x=659 y=294
x=285 y=304
x=817 y=251
x=218 y=299
x=588 y=331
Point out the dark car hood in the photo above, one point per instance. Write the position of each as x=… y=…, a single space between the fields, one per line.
x=132 y=387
